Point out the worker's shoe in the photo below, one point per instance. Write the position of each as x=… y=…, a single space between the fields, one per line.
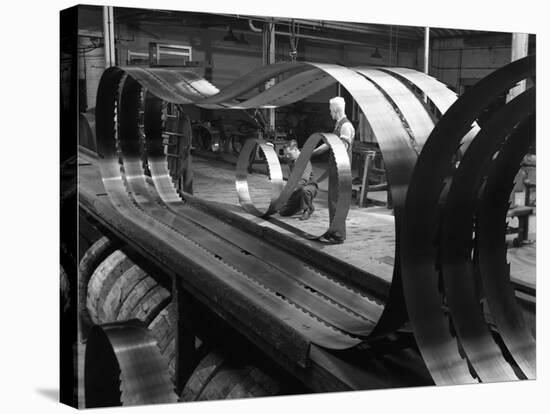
x=306 y=214
x=332 y=238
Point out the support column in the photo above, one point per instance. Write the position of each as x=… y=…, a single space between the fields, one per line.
x=520 y=45
x=426 y=50
x=268 y=57
x=109 y=36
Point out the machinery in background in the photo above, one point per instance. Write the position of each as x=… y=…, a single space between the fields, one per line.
x=520 y=220
x=229 y=135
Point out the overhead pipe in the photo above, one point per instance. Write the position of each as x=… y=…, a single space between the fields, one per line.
x=347 y=27
x=311 y=37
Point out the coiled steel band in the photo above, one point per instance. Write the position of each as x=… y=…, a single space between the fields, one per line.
x=280 y=193
x=493 y=266
x=412 y=109
x=457 y=227
x=124 y=366
x=416 y=211
x=126 y=185
x=418 y=237
x=437 y=92
x=152 y=203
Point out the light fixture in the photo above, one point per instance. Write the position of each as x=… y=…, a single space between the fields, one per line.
x=230 y=37
x=376 y=54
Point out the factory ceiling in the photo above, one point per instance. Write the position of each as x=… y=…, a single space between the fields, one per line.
x=319 y=27
x=374 y=35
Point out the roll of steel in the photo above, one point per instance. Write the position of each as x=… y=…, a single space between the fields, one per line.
x=176 y=86
x=292 y=267
x=275 y=176
x=152 y=204
x=399 y=158
x=248 y=82
x=413 y=111
x=288 y=91
x=280 y=193
x=394 y=140
x=390 y=108
x=123 y=366
x=457 y=227
x=122 y=180
x=145 y=199
x=493 y=266
x=437 y=92
x=418 y=235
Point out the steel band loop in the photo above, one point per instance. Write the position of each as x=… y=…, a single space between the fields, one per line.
x=436 y=207
x=124 y=366
x=280 y=193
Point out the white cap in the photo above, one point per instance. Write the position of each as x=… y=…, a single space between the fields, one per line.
x=338 y=102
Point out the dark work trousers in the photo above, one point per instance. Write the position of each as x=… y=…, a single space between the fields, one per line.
x=333 y=194
x=301 y=199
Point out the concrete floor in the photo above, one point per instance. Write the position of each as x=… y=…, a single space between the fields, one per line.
x=370 y=243
x=370 y=239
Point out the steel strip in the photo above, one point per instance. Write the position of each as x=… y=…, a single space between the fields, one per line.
x=280 y=192
x=185 y=83
x=198 y=83
x=174 y=86
x=124 y=366
x=400 y=159
x=493 y=266
x=268 y=276
x=169 y=196
x=406 y=101
x=398 y=153
x=248 y=82
x=116 y=188
x=137 y=185
x=399 y=156
x=344 y=296
x=419 y=225
x=457 y=226
x=151 y=81
x=275 y=176
x=437 y=92
x=288 y=91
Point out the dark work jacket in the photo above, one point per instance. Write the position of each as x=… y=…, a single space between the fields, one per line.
x=306 y=176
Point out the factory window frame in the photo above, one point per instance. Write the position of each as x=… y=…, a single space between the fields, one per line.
x=161 y=54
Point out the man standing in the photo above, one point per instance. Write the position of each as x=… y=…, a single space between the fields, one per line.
x=344 y=129
x=301 y=199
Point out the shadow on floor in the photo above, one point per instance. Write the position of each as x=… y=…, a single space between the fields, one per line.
x=50 y=394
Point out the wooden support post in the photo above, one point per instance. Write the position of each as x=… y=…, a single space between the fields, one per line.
x=367 y=167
